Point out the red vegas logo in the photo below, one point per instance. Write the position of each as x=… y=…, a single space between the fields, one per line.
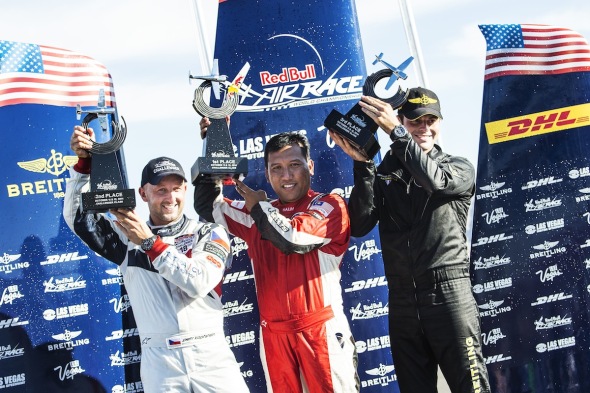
x=291 y=74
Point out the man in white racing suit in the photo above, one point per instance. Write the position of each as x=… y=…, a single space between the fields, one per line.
x=172 y=269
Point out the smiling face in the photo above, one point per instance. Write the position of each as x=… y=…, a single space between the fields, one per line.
x=165 y=200
x=289 y=173
x=424 y=130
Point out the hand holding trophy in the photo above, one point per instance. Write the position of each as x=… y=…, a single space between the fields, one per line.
x=108 y=184
x=219 y=160
x=358 y=128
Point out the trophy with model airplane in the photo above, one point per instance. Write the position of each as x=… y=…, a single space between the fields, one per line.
x=358 y=128
x=219 y=160
x=108 y=185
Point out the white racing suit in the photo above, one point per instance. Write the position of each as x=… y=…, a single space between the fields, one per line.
x=175 y=294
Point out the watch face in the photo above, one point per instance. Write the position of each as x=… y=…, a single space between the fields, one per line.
x=147 y=244
x=399 y=131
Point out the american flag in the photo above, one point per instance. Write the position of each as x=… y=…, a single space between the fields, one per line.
x=533 y=49
x=35 y=74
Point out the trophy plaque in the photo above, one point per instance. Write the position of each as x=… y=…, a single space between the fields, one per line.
x=219 y=160
x=108 y=185
x=356 y=126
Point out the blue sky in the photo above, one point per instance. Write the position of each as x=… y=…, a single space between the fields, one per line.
x=149 y=51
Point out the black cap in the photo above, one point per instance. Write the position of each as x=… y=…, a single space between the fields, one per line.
x=420 y=102
x=158 y=168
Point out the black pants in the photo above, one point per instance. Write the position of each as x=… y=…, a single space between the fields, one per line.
x=436 y=323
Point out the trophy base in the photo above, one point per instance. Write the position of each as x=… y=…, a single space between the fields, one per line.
x=361 y=137
x=220 y=168
x=102 y=201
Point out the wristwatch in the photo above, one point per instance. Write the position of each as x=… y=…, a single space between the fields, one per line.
x=147 y=244
x=399 y=131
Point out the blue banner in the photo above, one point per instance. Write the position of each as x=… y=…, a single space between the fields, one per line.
x=306 y=60
x=531 y=227
x=63 y=311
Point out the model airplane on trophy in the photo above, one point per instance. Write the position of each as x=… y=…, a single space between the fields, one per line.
x=101 y=112
x=218 y=159
x=397 y=72
x=358 y=127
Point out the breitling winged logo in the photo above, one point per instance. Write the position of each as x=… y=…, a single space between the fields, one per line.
x=492 y=186
x=382 y=370
x=7 y=258
x=56 y=164
x=491 y=305
x=546 y=245
x=424 y=100
x=67 y=335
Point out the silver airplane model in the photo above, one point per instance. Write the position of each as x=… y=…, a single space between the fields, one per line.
x=101 y=111
x=398 y=72
x=214 y=78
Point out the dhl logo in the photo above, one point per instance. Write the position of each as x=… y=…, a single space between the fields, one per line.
x=534 y=124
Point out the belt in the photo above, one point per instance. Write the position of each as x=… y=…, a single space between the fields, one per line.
x=179 y=340
x=299 y=323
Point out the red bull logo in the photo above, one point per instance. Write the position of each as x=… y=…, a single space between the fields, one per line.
x=291 y=74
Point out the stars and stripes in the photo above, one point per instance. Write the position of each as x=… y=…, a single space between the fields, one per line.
x=514 y=49
x=35 y=74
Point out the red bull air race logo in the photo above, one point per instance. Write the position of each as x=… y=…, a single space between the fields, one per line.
x=291 y=87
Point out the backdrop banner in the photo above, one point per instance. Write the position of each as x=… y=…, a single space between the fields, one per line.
x=531 y=230
x=61 y=307
x=306 y=60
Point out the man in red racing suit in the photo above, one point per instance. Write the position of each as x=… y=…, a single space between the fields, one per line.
x=296 y=244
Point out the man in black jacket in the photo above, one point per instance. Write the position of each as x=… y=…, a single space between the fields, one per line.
x=420 y=197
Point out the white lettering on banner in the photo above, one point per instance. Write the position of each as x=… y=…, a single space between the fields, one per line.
x=492 y=239
x=124 y=359
x=9 y=381
x=239 y=339
x=10 y=294
x=74 y=310
x=8 y=264
x=366 y=284
x=372 y=344
x=365 y=251
x=547 y=250
x=70 y=370
x=542 y=204
x=545 y=226
x=551 y=298
x=7 y=351
x=238 y=245
x=64 y=284
x=122 y=304
x=492 y=337
x=6 y=323
x=497 y=358
x=579 y=172
x=493 y=309
x=549 y=273
x=61 y=258
x=493 y=191
x=493 y=285
x=541 y=182
x=556 y=344
x=495 y=216
x=488 y=263
x=375 y=310
x=121 y=334
x=231 y=309
x=237 y=276
x=384 y=376
x=131 y=387
x=552 y=322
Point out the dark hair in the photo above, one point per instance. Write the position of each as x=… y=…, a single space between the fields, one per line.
x=283 y=139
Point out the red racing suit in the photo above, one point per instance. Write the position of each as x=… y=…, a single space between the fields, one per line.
x=296 y=250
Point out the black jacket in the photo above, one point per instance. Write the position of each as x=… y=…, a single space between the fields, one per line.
x=421 y=202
